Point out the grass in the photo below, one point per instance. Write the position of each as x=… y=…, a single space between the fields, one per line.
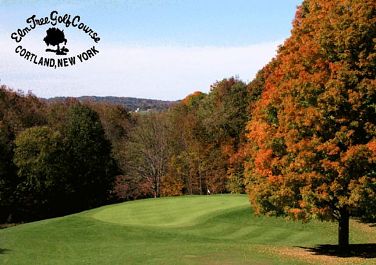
x=206 y=230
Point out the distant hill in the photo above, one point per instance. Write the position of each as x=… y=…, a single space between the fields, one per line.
x=131 y=104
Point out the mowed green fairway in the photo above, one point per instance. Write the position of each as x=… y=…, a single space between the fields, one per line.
x=218 y=229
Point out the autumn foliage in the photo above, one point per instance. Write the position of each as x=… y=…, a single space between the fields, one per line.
x=300 y=138
x=206 y=139
x=313 y=131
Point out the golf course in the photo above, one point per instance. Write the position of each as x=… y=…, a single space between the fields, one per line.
x=219 y=229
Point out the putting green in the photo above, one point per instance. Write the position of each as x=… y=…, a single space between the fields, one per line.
x=168 y=212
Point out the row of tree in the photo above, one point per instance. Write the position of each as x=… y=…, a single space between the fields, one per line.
x=66 y=156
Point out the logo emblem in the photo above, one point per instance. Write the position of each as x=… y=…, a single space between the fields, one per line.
x=55 y=37
x=55 y=40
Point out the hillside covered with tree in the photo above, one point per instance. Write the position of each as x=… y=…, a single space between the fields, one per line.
x=132 y=104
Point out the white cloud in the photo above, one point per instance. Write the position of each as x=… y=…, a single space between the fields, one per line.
x=120 y=70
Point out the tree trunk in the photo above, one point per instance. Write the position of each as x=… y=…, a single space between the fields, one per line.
x=158 y=191
x=199 y=176
x=343 y=229
x=10 y=218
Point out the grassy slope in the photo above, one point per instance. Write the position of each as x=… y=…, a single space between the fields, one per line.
x=182 y=230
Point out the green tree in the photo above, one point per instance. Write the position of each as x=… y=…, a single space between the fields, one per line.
x=188 y=151
x=8 y=174
x=91 y=167
x=39 y=158
x=223 y=114
x=17 y=112
x=225 y=111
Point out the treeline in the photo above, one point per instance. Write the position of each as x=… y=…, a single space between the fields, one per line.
x=66 y=156
x=132 y=104
x=56 y=158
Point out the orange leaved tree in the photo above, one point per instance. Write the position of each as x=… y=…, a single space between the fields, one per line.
x=312 y=136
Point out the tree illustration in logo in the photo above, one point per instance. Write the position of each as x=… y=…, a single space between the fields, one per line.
x=55 y=37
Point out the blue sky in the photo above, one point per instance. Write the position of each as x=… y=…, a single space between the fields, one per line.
x=161 y=49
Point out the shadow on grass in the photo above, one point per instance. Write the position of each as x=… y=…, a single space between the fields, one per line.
x=367 y=251
x=369 y=222
x=4 y=250
x=3 y=226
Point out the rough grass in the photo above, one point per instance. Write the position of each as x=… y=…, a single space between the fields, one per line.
x=183 y=230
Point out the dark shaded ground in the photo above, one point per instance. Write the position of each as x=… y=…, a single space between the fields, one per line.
x=354 y=250
x=2 y=226
x=4 y=250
